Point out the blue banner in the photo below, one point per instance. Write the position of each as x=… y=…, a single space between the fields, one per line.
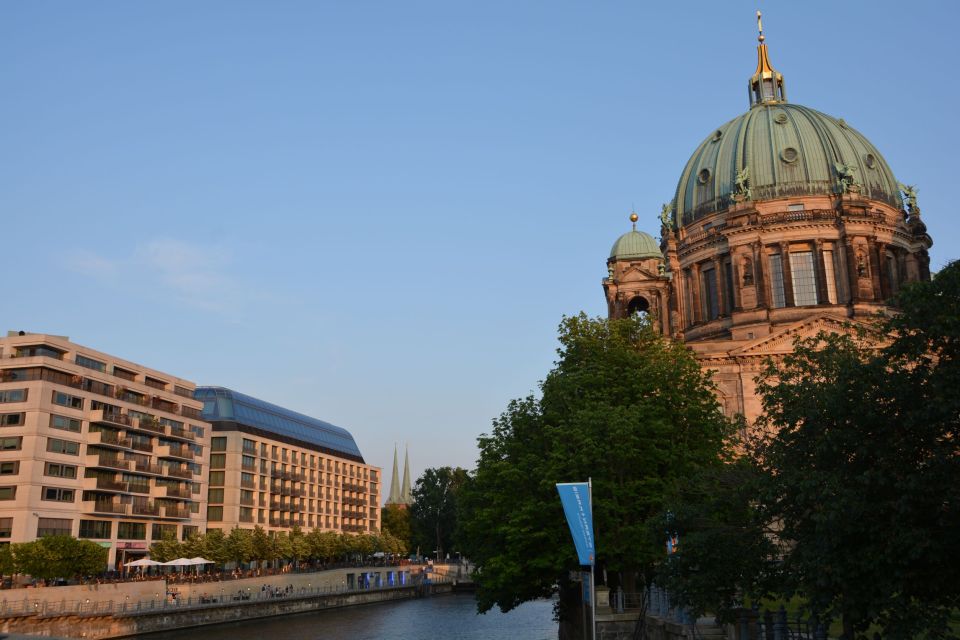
x=575 y=498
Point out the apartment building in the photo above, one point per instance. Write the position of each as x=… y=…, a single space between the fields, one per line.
x=277 y=468
x=97 y=447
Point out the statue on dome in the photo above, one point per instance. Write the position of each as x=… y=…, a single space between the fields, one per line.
x=741 y=184
x=848 y=182
x=666 y=215
x=910 y=198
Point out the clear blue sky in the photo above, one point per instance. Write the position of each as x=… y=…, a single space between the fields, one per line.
x=376 y=213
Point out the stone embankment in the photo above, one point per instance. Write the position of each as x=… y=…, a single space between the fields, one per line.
x=136 y=608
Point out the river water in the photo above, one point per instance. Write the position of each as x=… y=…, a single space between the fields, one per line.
x=444 y=617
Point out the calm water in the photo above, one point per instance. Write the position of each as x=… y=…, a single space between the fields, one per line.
x=445 y=617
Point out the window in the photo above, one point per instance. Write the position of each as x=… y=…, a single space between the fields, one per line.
x=892 y=273
x=54 y=527
x=132 y=531
x=804 y=278
x=64 y=423
x=56 y=494
x=55 y=445
x=218 y=444
x=246 y=514
x=13 y=395
x=10 y=468
x=218 y=461
x=90 y=363
x=830 y=276
x=39 y=350
x=161 y=531
x=135 y=483
x=794 y=207
x=215 y=495
x=8 y=493
x=216 y=478
x=777 y=299
x=100 y=529
x=711 y=308
x=123 y=373
x=58 y=470
x=189 y=530
x=14 y=443
x=249 y=446
x=248 y=462
x=214 y=514
x=6 y=527
x=728 y=283
x=67 y=400
x=11 y=419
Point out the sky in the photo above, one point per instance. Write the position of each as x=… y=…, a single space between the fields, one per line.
x=377 y=213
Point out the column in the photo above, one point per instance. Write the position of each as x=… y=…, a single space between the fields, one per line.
x=759 y=274
x=787 y=273
x=821 y=272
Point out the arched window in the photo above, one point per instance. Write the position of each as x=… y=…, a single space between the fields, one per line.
x=638 y=305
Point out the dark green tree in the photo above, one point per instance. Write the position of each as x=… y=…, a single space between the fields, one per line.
x=623 y=406
x=166 y=549
x=263 y=547
x=862 y=466
x=433 y=514
x=239 y=545
x=396 y=521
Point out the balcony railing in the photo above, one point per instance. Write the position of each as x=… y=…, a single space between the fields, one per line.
x=107 y=417
x=178 y=492
x=110 y=462
x=176 y=512
x=110 y=506
x=180 y=473
x=145 y=509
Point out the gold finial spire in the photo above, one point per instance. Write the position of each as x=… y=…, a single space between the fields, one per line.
x=766 y=84
x=633 y=218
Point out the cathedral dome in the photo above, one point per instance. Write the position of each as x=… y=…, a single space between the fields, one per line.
x=788 y=150
x=635 y=245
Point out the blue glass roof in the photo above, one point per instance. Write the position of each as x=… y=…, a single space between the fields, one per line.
x=220 y=404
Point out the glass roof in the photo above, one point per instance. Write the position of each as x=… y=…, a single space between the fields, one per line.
x=220 y=403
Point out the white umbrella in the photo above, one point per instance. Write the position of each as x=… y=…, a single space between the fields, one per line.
x=179 y=562
x=144 y=562
x=199 y=560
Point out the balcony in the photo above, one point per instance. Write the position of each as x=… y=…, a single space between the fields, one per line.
x=183 y=434
x=248 y=484
x=108 y=462
x=141 y=446
x=187 y=474
x=150 y=468
x=110 y=439
x=105 y=417
x=181 y=513
x=247 y=502
x=151 y=425
x=173 y=451
x=179 y=492
x=105 y=484
x=145 y=509
x=109 y=506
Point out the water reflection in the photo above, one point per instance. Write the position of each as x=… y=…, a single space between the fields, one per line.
x=451 y=617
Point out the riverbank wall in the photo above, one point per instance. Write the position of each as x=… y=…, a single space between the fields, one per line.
x=137 y=608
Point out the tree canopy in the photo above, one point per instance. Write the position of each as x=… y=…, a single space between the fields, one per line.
x=623 y=406
x=435 y=509
x=862 y=466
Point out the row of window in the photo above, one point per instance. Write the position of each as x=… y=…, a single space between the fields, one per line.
x=251 y=450
x=100 y=529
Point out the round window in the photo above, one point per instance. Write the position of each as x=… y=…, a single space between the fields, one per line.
x=870 y=160
x=704 y=176
x=717 y=135
x=780 y=118
x=789 y=155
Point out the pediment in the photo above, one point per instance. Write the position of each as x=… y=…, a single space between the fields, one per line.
x=638 y=274
x=781 y=341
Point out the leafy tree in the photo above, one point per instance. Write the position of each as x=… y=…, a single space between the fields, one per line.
x=299 y=545
x=622 y=405
x=7 y=564
x=263 y=550
x=213 y=546
x=722 y=546
x=324 y=545
x=239 y=545
x=166 y=549
x=59 y=557
x=433 y=514
x=863 y=469
x=395 y=520
x=281 y=548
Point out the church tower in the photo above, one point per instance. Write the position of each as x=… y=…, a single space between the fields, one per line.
x=400 y=495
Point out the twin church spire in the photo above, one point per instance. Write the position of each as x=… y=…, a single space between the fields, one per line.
x=400 y=495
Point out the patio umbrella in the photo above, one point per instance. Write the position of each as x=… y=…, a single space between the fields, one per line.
x=199 y=560
x=144 y=562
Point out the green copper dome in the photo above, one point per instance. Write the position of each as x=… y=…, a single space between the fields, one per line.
x=635 y=245
x=788 y=150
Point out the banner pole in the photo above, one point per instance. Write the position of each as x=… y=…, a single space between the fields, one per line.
x=593 y=582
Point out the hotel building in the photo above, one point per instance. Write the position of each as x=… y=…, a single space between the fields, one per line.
x=276 y=468
x=97 y=447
